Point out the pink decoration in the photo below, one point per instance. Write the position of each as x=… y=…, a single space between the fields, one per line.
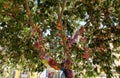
x=50 y=74
x=37 y=45
x=75 y=36
x=42 y=55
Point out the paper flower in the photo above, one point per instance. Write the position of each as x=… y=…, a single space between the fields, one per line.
x=37 y=44
x=59 y=26
x=45 y=62
x=53 y=64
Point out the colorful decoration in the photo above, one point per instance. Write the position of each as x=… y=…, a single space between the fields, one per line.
x=50 y=74
x=66 y=64
x=37 y=45
x=47 y=73
x=17 y=74
x=45 y=62
x=53 y=64
x=75 y=36
x=62 y=75
x=59 y=26
x=86 y=55
x=68 y=73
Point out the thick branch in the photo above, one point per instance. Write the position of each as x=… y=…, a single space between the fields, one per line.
x=58 y=10
x=60 y=13
x=63 y=7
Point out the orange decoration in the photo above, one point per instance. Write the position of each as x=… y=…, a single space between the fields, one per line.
x=56 y=67
x=64 y=38
x=59 y=26
x=42 y=48
x=53 y=63
x=6 y=5
x=35 y=27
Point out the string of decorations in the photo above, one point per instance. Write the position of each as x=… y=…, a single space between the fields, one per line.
x=49 y=61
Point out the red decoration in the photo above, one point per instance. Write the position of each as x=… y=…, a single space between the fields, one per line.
x=82 y=30
x=86 y=55
x=50 y=74
x=53 y=63
x=37 y=45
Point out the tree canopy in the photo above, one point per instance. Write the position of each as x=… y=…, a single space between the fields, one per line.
x=87 y=32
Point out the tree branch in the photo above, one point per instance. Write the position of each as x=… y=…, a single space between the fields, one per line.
x=41 y=49
x=60 y=13
x=58 y=10
x=28 y=12
x=63 y=7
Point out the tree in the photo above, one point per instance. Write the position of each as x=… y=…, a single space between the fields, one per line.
x=55 y=25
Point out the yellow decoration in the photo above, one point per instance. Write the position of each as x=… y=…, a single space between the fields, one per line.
x=43 y=48
x=17 y=74
x=34 y=75
x=45 y=62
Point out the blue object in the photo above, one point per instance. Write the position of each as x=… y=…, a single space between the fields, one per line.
x=47 y=73
x=62 y=75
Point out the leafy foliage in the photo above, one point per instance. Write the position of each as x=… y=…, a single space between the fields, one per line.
x=102 y=27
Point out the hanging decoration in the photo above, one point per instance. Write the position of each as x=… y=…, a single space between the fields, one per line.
x=48 y=61
x=66 y=64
